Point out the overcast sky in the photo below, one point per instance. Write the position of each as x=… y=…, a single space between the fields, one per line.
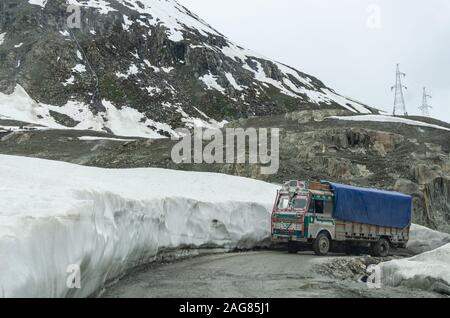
x=351 y=45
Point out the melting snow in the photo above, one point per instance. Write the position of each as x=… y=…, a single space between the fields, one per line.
x=127 y=23
x=167 y=69
x=93 y=138
x=69 y=81
x=233 y=82
x=211 y=82
x=41 y=3
x=133 y=70
x=152 y=91
x=79 y=68
x=2 y=38
x=123 y=122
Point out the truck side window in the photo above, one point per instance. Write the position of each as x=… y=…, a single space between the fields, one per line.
x=318 y=205
x=328 y=208
x=311 y=206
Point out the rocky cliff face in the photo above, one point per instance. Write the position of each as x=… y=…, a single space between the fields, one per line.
x=138 y=68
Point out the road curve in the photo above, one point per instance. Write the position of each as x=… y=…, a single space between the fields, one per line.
x=245 y=275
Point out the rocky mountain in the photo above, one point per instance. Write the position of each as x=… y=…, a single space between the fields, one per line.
x=139 y=68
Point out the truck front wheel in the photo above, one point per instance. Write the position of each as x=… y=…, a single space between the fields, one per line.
x=322 y=244
x=292 y=248
x=381 y=248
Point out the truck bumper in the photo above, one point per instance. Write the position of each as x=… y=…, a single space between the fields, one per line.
x=278 y=238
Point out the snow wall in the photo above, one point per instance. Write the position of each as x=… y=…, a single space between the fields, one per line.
x=428 y=271
x=54 y=215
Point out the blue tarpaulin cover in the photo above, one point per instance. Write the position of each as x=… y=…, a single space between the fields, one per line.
x=371 y=206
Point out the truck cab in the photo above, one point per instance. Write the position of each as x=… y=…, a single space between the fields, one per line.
x=301 y=211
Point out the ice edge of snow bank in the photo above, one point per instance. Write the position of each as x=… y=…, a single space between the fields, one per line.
x=107 y=235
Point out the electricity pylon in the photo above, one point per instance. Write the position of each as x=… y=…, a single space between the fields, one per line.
x=425 y=107
x=399 y=101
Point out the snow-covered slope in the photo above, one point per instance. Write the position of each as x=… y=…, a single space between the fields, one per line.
x=141 y=68
x=123 y=122
x=430 y=271
x=423 y=239
x=54 y=214
x=388 y=119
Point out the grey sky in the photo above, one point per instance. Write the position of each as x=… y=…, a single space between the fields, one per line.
x=333 y=41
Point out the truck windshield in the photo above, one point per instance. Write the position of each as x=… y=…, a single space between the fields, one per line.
x=300 y=203
x=283 y=203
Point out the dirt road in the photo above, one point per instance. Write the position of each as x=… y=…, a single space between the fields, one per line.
x=253 y=274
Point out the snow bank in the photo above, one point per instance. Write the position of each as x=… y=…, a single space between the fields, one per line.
x=430 y=271
x=54 y=214
x=388 y=119
x=423 y=239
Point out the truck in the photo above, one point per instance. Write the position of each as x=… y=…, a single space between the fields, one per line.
x=326 y=216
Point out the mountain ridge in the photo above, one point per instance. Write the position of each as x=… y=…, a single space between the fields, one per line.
x=141 y=68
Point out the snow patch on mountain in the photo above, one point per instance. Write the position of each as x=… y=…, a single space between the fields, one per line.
x=41 y=3
x=69 y=81
x=102 y=5
x=388 y=119
x=93 y=138
x=211 y=82
x=79 y=68
x=108 y=221
x=233 y=82
x=133 y=70
x=2 y=38
x=125 y=121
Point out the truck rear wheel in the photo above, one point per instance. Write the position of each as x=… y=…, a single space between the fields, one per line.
x=380 y=248
x=322 y=244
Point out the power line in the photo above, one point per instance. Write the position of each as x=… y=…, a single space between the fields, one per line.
x=425 y=108
x=399 y=100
